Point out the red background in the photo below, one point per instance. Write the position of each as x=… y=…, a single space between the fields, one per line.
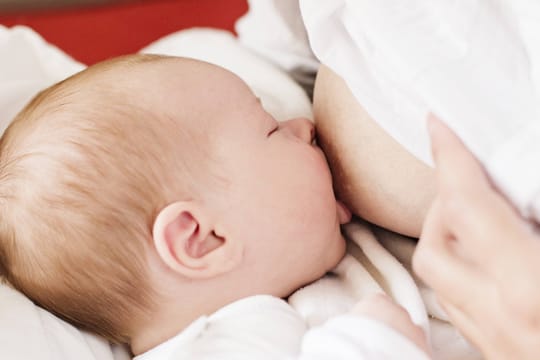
x=91 y=34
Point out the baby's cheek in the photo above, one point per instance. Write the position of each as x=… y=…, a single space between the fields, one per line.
x=320 y=164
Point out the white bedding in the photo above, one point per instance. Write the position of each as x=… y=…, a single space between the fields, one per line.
x=29 y=64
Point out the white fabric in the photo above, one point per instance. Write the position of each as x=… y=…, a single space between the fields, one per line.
x=474 y=63
x=292 y=51
x=27 y=65
x=380 y=261
x=29 y=332
x=315 y=325
x=368 y=268
x=265 y=327
x=465 y=60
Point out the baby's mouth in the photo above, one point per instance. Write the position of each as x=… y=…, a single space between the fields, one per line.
x=344 y=214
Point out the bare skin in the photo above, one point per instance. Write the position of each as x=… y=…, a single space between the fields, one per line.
x=373 y=174
x=382 y=308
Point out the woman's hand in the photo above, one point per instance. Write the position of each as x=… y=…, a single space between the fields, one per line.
x=479 y=256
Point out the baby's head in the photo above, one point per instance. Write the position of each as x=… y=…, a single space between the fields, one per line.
x=147 y=188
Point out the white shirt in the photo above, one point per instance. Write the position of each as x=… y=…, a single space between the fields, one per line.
x=264 y=327
x=474 y=63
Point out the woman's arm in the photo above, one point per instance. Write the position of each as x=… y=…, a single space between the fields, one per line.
x=373 y=174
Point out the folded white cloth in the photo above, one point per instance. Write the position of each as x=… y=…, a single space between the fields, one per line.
x=368 y=268
x=379 y=261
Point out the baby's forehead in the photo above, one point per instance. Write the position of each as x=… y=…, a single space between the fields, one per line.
x=196 y=77
x=180 y=94
x=188 y=86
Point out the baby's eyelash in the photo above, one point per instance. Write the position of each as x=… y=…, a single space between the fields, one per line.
x=273 y=130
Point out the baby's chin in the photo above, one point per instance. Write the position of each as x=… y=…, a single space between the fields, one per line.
x=338 y=251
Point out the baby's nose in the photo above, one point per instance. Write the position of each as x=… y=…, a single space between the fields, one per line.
x=302 y=128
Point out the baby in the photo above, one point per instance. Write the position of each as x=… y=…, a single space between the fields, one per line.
x=153 y=201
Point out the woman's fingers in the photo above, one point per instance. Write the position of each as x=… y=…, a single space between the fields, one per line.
x=457 y=168
x=461 y=183
x=478 y=335
x=439 y=261
x=480 y=257
x=474 y=214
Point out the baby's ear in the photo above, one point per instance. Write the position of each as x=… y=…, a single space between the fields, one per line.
x=186 y=242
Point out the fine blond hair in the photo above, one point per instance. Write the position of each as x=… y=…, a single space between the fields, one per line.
x=82 y=177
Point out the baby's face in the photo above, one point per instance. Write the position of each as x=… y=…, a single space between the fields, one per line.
x=275 y=194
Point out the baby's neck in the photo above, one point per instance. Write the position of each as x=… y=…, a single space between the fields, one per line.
x=162 y=327
x=172 y=317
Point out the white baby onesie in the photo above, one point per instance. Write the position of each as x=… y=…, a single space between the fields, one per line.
x=315 y=324
x=264 y=327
